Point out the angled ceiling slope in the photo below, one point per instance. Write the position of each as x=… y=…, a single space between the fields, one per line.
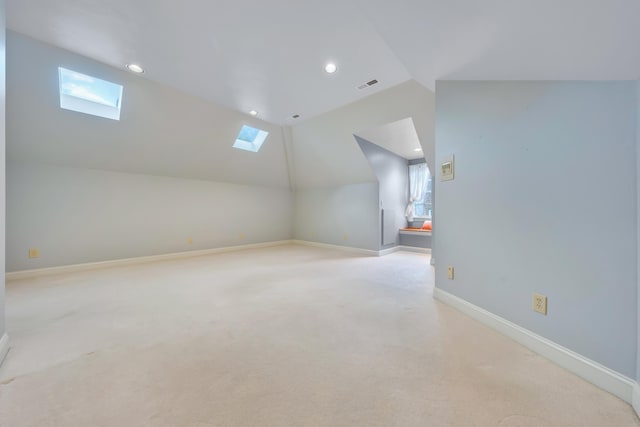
x=398 y=137
x=245 y=55
x=269 y=56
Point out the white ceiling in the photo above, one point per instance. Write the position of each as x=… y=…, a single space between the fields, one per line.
x=398 y=137
x=269 y=55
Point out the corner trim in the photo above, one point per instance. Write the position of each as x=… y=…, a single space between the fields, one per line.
x=28 y=274
x=4 y=347
x=597 y=374
x=635 y=398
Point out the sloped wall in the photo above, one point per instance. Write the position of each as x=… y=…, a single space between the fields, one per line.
x=161 y=132
x=82 y=188
x=392 y=174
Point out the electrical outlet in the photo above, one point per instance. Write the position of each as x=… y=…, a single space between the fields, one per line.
x=450 y=272
x=241 y=236
x=34 y=253
x=190 y=241
x=540 y=303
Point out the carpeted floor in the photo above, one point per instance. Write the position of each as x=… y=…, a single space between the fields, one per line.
x=284 y=336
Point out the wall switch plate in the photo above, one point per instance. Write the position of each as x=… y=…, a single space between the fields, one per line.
x=190 y=241
x=450 y=272
x=447 y=168
x=241 y=236
x=540 y=303
x=34 y=253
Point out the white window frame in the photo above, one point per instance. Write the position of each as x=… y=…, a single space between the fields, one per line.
x=427 y=196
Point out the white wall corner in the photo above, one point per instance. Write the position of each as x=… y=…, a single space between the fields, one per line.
x=4 y=347
x=597 y=374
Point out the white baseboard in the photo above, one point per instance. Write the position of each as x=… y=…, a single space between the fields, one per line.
x=39 y=272
x=404 y=249
x=367 y=252
x=414 y=249
x=635 y=399
x=4 y=347
x=597 y=374
x=27 y=274
x=384 y=252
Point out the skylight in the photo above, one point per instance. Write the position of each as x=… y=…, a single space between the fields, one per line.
x=250 y=139
x=89 y=95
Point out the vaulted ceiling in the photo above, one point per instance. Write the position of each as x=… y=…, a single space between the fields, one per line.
x=269 y=55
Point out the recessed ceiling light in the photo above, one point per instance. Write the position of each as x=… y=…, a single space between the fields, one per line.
x=330 y=68
x=135 y=68
x=253 y=112
x=417 y=149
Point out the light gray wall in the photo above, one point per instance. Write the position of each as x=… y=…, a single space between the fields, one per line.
x=391 y=171
x=346 y=215
x=544 y=200
x=82 y=188
x=2 y=161
x=83 y=215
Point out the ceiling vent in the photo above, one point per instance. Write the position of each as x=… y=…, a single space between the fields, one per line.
x=367 y=84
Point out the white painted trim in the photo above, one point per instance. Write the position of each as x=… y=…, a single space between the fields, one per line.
x=367 y=252
x=597 y=374
x=635 y=398
x=27 y=274
x=39 y=272
x=4 y=347
x=384 y=252
x=400 y=248
x=414 y=249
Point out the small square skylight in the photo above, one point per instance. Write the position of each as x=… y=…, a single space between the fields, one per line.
x=89 y=95
x=250 y=139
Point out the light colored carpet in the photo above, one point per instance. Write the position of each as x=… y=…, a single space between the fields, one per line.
x=285 y=336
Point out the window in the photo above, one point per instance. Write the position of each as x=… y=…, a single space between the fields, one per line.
x=420 y=190
x=89 y=95
x=250 y=139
